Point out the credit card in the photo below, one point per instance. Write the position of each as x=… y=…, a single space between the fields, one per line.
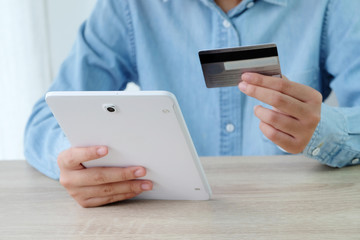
x=224 y=67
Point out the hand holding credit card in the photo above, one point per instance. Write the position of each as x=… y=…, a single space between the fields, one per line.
x=224 y=67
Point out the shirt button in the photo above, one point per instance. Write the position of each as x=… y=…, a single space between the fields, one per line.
x=316 y=151
x=355 y=161
x=250 y=5
x=226 y=23
x=230 y=127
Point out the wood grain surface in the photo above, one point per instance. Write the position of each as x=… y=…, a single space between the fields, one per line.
x=277 y=197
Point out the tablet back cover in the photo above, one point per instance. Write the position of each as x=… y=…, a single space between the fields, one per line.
x=146 y=129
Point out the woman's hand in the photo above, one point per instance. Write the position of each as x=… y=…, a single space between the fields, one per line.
x=296 y=109
x=92 y=187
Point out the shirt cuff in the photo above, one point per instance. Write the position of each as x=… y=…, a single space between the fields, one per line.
x=45 y=161
x=331 y=143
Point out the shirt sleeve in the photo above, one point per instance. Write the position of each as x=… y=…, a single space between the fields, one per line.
x=102 y=58
x=336 y=141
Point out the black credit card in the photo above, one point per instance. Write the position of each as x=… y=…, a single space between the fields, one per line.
x=224 y=67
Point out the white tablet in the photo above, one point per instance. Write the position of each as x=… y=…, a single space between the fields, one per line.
x=144 y=128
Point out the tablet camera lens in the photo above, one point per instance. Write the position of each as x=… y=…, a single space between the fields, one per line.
x=110 y=109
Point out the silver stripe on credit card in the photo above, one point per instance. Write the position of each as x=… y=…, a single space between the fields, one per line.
x=252 y=63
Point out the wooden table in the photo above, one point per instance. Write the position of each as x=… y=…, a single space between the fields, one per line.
x=278 y=197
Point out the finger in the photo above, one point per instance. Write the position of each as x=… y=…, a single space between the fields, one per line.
x=134 y=186
x=99 y=201
x=281 y=139
x=296 y=90
x=72 y=158
x=104 y=175
x=283 y=102
x=278 y=120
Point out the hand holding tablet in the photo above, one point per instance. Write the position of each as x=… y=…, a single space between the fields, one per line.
x=140 y=129
x=97 y=186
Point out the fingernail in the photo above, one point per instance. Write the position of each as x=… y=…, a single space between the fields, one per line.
x=246 y=77
x=101 y=151
x=146 y=186
x=243 y=86
x=139 y=172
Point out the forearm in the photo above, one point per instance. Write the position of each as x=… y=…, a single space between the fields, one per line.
x=44 y=140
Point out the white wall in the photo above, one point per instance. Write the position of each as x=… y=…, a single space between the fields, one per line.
x=24 y=63
x=35 y=37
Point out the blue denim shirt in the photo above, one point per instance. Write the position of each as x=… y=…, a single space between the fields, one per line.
x=155 y=44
